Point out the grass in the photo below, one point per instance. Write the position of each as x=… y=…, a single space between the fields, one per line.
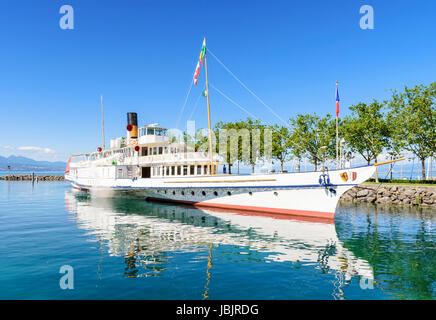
x=417 y=183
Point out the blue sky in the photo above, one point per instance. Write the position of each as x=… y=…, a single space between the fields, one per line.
x=140 y=55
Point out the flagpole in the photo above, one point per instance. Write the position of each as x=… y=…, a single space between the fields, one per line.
x=212 y=170
x=102 y=120
x=337 y=132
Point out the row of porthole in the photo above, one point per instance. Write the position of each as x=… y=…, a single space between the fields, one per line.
x=203 y=193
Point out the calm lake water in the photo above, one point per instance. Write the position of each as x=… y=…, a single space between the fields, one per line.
x=122 y=248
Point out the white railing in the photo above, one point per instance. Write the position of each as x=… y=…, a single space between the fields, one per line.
x=121 y=159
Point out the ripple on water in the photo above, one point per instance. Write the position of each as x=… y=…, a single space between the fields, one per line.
x=123 y=248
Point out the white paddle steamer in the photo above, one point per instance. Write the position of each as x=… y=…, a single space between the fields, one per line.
x=149 y=165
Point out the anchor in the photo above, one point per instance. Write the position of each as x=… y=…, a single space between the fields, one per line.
x=324 y=180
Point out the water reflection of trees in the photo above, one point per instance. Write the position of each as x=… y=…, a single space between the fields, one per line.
x=398 y=242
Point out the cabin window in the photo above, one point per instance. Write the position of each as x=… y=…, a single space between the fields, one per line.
x=167 y=171
x=198 y=170
x=204 y=169
x=191 y=170
x=185 y=170
x=120 y=173
x=161 y=132
x=179 y=170
x=173 y=170
x=150 y=131
x=155 y=150
x=156 y=171
x=160 y=150
x=144 y=151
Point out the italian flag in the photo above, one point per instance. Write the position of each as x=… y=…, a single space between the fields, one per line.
x=203 y=51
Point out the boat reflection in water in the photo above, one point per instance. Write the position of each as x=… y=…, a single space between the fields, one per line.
x=146 y=233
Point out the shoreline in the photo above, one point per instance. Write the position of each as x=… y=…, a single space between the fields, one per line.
x=32 y=177
x=390 y=194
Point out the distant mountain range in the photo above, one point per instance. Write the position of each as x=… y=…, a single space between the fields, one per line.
x=23 y=163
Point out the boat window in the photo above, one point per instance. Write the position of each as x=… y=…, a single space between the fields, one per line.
x=160 y=150
x=173 y=170
x=179 y=170
x=191 y=170
x=155 y=150
x=144 y=151
x=150 y=131
x=167 y=169
x=198 y=170
x=185 y=170
x=204 y=169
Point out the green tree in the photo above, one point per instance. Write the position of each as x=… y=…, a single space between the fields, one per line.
x=310 y=133
x=413 y=120
x=281 y=144
x=366 y=130
x=249 y=153
x=227 y=142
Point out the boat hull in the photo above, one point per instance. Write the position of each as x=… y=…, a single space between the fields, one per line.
x=309 y=194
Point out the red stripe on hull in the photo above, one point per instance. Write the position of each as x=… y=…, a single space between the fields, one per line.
x=310 y=216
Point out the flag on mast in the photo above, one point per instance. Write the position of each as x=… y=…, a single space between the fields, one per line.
x=203 y=51
x=202 y=55
x=337 y=100
x=196 y=73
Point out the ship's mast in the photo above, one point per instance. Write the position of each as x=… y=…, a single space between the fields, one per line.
x=212 y=170
x=102 y=120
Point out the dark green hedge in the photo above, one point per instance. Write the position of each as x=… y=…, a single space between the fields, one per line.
x=404 y=181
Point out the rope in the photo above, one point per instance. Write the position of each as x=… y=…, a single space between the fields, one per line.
x=184 y=104
x=378 y=187
x=243 y=85
x=232 y=101
x=196 y=104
